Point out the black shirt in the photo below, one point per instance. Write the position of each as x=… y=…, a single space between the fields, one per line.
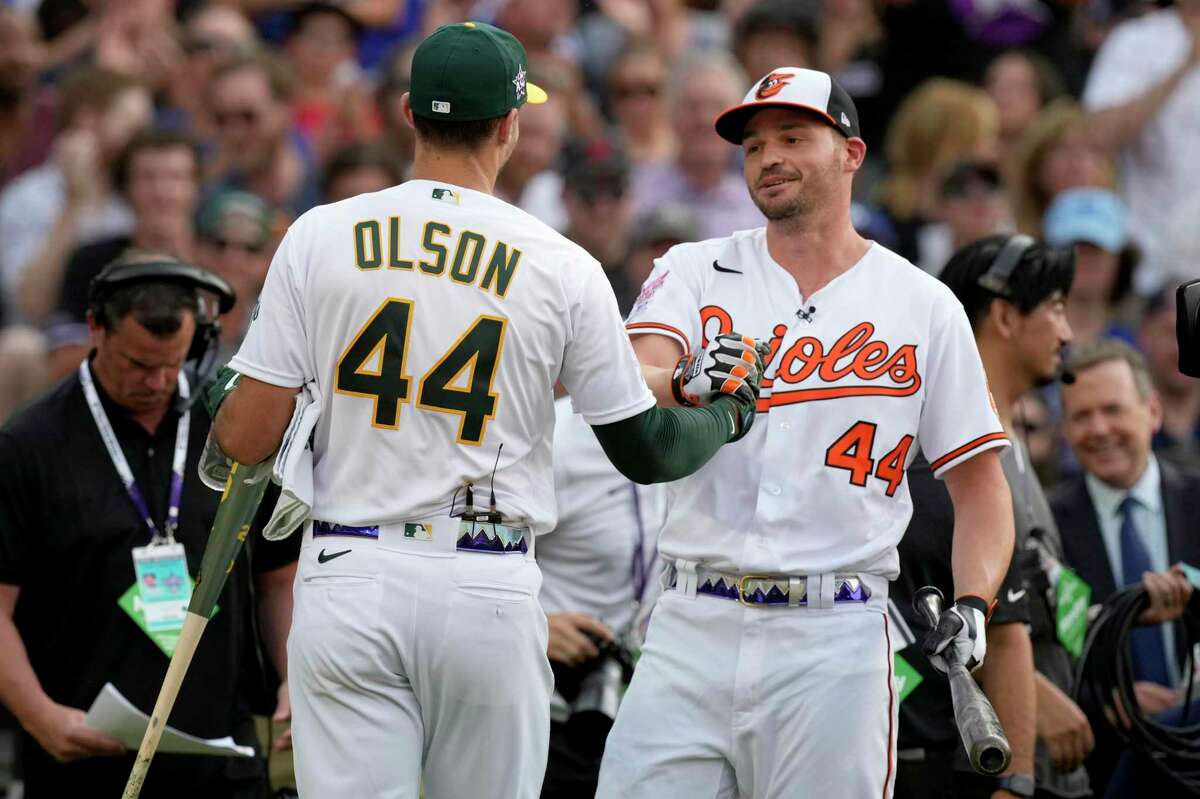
x=926 y=714
x=67 y=528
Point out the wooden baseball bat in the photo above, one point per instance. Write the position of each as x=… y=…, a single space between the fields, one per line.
x=243 y=492
x=982 y=736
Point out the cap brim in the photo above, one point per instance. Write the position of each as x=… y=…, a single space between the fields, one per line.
x=535 y=94
x=731 y=124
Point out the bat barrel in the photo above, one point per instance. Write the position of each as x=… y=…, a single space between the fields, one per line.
x=982 y=736
x=990 y=757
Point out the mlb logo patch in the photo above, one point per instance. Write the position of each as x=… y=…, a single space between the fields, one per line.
x=418 y=531
x=441 y=107
x=446 y=196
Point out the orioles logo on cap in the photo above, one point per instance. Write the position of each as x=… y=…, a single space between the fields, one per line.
x=772 y=85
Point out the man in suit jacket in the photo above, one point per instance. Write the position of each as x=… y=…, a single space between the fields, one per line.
x=1130 y=515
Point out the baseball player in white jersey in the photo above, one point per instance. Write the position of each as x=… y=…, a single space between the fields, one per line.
x=431 y=321
x=767 y=666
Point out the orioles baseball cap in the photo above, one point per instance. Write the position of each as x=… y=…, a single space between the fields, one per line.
x=468 y=71
x=793 y=87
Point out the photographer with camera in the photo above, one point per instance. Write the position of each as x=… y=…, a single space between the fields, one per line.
x=597 y=566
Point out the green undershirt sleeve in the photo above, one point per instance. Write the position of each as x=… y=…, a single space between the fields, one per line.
x=663 y=444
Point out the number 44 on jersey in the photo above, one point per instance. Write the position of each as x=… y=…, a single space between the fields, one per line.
x=374 y=366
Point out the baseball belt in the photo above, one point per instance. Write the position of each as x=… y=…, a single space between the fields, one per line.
x=769 y=590
x=472 y=535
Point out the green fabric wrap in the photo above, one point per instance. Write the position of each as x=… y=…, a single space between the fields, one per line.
x=663 y=444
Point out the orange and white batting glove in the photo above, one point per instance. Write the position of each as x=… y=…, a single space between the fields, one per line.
x=730 y=364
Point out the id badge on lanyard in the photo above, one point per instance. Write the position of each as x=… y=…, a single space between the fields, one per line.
x=163 y=584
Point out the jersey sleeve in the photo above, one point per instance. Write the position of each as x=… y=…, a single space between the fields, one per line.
x=599 y=369
x=276 y=348
x=667 y=305
x=958 y=417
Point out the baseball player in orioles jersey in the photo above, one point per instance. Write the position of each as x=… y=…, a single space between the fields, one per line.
x=428 y=324
x=767 y=666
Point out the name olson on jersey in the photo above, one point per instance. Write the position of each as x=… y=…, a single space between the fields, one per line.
x=866 y=366
x=472 y=261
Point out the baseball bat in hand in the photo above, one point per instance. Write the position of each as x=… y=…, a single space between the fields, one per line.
x=982 y=735
x=243 y=493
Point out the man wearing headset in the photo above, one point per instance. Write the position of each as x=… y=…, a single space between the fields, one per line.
x=103 y=522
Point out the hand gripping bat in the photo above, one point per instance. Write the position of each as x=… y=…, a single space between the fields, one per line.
x=982 y=735
x=243 y=492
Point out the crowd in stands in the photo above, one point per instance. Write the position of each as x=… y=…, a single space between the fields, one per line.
x=202 y=128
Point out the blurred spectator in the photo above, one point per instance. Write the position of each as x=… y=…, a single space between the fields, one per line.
x=23 y=368
x=1130 y=513
x=1141 y=96
x=636 y=94
x=1179 y=437
x=158 y=174
x=259 y=150
x=1040 y=434
x=653 y=233
x=702 y=176
x=236 y=233
x=330 y=108
x=529 y=180
x=68 y=201
x=66 y=565
x=542 y=26
x=614 y=25
x=1020 y=83
x=395 y=134
x=941 y=123
x=851 y=48
x=360 y=169
x=1054 y=155
x=778 y=33
x=596 y=198
x=971 y=205
x=213 y=36
x=1094 y=222
x=24 y=139
x=138 y=38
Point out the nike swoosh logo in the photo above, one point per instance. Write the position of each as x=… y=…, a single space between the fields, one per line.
x=720 y=268
x=323 y=558
x=1013 y=596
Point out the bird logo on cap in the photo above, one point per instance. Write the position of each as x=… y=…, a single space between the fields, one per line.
x=772 y=85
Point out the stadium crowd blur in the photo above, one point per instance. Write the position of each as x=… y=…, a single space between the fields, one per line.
x=202 y=128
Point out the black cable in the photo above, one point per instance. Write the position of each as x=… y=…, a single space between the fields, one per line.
x=1104 y=679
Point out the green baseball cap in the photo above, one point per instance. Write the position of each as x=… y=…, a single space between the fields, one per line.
x=468 y=71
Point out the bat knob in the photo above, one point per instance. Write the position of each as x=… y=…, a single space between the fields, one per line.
x=928 y=602
x=991 y=756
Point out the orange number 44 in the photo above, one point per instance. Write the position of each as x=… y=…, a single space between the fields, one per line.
x=852 y=452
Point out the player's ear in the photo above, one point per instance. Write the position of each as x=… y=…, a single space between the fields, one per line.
x=856 y=153
x=510 y=129
x=406 y=109
x=1003 y=317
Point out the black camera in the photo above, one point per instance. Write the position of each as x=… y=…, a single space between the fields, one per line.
x=594 y=690
x=1187 y=327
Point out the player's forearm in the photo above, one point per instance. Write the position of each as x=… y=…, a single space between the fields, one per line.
x=275 y=613
x=252 y=420
x=659 y=381
x=983 y=525
x=1007 y=679
x=659 y=445
x=1120 y=124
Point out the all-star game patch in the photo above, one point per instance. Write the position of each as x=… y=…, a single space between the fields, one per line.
x=648 y=291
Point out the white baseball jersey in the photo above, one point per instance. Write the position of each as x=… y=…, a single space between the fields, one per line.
x=879 y=359
x=434 y=321
x=600 y=558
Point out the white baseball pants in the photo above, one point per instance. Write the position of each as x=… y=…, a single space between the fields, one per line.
x=729 y=701
x=411 y=663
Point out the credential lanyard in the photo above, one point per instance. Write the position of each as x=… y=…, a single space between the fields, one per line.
x=122 y=465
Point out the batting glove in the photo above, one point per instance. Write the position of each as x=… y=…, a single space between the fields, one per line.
x=959 y=635
x=730 y=364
